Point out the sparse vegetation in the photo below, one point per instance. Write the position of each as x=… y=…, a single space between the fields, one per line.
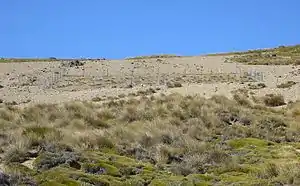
x=174 y=139
x=75 y=63
x=287 y=84
x=174 y=84
x=10 y=60
x=154 y=56
x=97 y=99
x=283 y=55
x=257 y=86
x=146 y=92
x=16 y=60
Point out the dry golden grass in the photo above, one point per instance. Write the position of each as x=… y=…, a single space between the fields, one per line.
x=184 y=135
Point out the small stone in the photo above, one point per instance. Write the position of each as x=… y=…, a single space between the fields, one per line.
x=33 y=153
x=101 y=171
x=4 y=179
x=74 y=164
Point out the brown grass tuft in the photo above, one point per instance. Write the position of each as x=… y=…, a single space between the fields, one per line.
x=272 y=100
x=287 y=84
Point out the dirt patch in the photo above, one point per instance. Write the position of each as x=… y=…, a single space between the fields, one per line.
x=54 y=82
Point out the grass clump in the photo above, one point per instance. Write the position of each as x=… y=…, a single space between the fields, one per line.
x=287 y=84
x=257 y=86
x=247 y=142
x=174 y=84
x=146 y=92
x=97 y=99
x=273 y=100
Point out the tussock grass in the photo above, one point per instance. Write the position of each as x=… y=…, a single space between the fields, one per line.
x=154 y=140
x=273 y=100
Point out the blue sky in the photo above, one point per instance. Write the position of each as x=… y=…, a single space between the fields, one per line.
x=121 y=28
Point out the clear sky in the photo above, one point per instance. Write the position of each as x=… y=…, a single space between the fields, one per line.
x=122 y=28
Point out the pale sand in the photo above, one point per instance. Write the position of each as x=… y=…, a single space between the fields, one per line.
x=111 y=78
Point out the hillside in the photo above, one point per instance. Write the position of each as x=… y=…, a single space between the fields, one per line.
x=283 y=55
x=155 y=120
x=161 y=140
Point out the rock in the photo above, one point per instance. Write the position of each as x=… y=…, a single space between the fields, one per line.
x=74 y=164
x=4 y=179
x=33 y=153
x=29 y=163
x=1 y=86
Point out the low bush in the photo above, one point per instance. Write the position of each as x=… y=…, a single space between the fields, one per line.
x=272 y=100
x=287 y=84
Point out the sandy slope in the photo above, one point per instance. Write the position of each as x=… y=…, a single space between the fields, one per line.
x=205 y=75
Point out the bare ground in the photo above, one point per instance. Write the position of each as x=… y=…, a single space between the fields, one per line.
x=49 y=82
